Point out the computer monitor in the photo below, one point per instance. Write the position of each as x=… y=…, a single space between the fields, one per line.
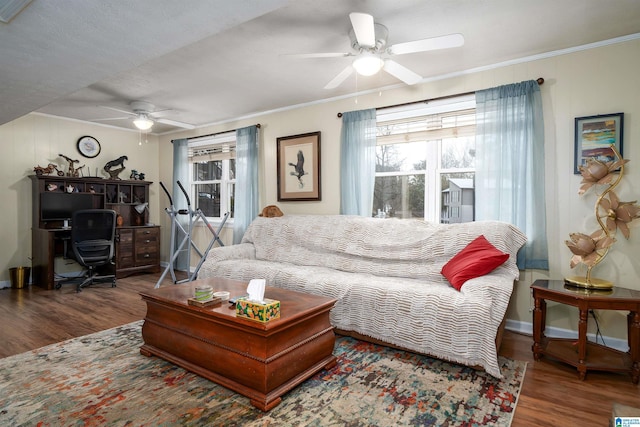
x=58 y=206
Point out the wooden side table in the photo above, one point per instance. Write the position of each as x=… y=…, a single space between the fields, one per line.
x=587 y=355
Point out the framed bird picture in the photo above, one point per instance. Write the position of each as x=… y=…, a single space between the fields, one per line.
x=299 y=167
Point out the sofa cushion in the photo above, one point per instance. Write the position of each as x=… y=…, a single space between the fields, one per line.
x=478 y=258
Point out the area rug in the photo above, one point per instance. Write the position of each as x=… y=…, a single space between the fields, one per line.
x=102 y=379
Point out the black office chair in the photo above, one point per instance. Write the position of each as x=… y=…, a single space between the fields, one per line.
x=93 y=244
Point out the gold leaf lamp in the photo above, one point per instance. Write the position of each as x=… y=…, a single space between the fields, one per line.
x=611 y=214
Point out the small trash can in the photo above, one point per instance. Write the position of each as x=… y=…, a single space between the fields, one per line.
x=19 y=276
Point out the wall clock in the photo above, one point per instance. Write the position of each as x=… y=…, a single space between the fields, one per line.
x=88 y=146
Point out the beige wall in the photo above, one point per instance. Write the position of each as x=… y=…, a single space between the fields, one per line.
x=37 y=140
x=597 y=81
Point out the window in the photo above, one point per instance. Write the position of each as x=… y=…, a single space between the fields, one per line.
x=425 y=161
x=213 y=169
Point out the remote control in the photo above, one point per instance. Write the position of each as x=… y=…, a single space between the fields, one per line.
x=233 y=300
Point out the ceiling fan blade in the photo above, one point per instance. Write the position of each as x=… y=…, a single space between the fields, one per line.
x=318 y=55
x=363 y=28
x=400 y=72
x=175 y=123
x=159 y=113
x=341 y=77
x=110 y=118
x=131 y=113
x=433 y=43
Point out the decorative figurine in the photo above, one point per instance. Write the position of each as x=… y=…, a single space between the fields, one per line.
x=39 y=170
x=73 y=172
x=113 y=174
x=136 y=175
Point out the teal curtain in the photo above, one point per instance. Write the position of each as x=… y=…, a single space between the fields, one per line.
x=510 y=165
x=246 y=194
x=357 y=162
x=180 y=173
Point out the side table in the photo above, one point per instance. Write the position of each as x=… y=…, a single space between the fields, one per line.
x=587 y=355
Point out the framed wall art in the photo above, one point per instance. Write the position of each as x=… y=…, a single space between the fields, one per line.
x=299 y=167
x=594 y=136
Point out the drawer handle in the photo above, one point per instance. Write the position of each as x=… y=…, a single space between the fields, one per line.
x=147 y=241
x=147 y=232
x=147 y=255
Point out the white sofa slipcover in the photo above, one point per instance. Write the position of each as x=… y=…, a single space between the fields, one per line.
x=385 y=275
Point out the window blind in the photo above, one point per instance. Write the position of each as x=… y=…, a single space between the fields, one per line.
x=218 y=147
x=427 y=128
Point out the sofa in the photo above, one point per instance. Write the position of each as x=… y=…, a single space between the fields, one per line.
x=386 y=275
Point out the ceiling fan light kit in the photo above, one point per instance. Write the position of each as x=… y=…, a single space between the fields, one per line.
x=143 y=123
x=367 y=64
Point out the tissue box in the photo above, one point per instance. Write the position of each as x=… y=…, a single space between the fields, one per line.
x=256 y=311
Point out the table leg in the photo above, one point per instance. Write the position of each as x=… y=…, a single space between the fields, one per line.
x=633 y=332
x=539 y=319
x=582 y=342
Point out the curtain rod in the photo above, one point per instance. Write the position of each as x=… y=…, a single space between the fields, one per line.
x=539 y=80
x=212 y=134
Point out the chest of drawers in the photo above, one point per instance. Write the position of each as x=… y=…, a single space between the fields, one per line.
x=137 y=250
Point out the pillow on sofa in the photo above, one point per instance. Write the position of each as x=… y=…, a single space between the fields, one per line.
x=477 y=259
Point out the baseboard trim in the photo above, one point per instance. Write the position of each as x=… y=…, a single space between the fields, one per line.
x=553 y=332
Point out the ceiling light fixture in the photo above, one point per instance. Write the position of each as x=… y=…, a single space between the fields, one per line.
x=142 y=122
x=367 y=64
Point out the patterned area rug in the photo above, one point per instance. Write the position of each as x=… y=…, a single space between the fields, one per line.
x=102 y=379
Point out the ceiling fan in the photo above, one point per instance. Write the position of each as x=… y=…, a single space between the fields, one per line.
x=144 y=115
x=369 y=41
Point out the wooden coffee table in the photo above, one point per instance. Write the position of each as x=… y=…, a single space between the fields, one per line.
x=262 y=361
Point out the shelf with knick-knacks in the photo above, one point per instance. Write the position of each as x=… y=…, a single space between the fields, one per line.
x=123 y=196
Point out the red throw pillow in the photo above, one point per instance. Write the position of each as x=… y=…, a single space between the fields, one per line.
x=477 y=259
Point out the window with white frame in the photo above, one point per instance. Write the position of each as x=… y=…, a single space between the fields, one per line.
x=213 y=174
x=425 y=161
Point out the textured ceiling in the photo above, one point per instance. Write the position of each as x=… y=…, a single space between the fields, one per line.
x=216 y=60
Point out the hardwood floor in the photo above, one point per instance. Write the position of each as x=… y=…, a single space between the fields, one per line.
x=552 y=394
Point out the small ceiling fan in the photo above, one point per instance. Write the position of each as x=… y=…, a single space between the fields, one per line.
x=369 y=41
x=144 y=115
